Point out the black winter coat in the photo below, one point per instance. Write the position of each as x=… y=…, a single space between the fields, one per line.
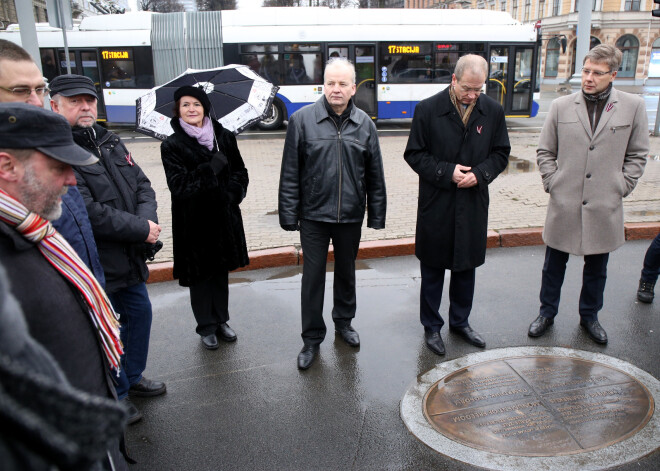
x=120 y=203
x=207 y=225
x=452 y=222
x=329 y=174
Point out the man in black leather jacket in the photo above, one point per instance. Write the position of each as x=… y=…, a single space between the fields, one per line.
x=331 y=171
x=122 y=209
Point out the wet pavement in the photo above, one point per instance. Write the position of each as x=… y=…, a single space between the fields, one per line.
x=246 y=406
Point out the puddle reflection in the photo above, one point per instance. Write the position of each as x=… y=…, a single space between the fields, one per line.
x=517 y=165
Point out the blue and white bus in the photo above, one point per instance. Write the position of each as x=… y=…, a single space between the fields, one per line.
x=113 y=50
x=401 y=55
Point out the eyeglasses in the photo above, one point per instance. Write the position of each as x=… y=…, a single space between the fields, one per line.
x=24 y=92
x=473 y=90
x=597 y=73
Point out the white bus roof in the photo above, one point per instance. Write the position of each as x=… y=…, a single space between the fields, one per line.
x=299 y=24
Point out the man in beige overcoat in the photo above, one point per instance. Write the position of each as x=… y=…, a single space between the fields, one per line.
x=592 y=151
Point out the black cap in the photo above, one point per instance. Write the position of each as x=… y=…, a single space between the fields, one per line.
x=24 y=126
x=194 y=92
x=72 y=85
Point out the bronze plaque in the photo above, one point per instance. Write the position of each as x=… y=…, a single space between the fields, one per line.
x=538 y=406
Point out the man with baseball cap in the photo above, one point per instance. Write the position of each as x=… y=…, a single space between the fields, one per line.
x=122 y=210
x=65 y=307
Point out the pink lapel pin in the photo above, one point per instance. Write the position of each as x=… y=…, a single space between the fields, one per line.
x=479 y=128
x=129 y=160
x=609 y=107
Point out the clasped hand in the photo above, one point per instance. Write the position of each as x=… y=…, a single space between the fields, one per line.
x=463 y=177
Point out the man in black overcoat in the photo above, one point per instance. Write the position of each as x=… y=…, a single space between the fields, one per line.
x=458 y=144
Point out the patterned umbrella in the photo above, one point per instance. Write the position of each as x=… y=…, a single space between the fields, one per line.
x=239 y=98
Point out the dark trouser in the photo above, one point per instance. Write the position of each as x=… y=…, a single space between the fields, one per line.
x=134 y=308
x=315 y=240
x=594 y=276
x=210 y=302
x=461 y=293
x=652 y=262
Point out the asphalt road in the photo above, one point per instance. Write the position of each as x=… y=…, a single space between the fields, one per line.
x=246 y=406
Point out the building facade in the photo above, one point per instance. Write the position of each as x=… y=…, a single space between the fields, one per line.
x=626 y=24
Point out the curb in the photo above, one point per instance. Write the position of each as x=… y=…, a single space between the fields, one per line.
x=290 y=255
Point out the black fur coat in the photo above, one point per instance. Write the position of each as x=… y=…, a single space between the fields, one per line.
x=206 y=221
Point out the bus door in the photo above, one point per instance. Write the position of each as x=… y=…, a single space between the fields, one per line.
x=510 y=78
x=85 y=62
x=363 y=56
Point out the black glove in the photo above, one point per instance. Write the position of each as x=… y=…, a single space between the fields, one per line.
x=150 y=250
x=291 y=227
x=218 y=162
x=234 y=193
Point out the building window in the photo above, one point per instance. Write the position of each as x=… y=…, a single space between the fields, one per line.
x=541 y=12
x=503 y=5
x=631 y=5
x=555 y=7
x=514 y=9
x=654 y=64
x=552 y=58
x=629 y=46
x=528 y=5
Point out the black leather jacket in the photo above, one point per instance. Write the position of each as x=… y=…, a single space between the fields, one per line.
x=120 y=203
x=330 y=174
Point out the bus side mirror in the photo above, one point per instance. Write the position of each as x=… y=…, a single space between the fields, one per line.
x=656 y=11
x=562 y=40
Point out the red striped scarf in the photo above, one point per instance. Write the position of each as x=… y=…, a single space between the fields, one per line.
x=66 y=261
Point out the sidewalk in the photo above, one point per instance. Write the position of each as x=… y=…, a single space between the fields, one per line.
x=517 y=201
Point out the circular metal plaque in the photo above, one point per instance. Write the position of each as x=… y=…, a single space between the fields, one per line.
x=538 y=406
x=524 y=408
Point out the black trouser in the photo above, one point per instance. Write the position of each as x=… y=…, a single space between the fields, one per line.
x=315 y=240
x=594 y=276
x=461 y=293
x=210 y=302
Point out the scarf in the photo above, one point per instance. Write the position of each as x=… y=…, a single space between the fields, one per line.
x=596 y=104
x=463 y=112
x=60 y=255
x=204 y=135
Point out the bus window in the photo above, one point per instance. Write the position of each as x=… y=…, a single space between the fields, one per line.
x=266 y=65
x=264 y=60
x=118 y=68
x=301 y=68
x=406 y=63
x=447 y=54
x=48 y=64
x=338 y=52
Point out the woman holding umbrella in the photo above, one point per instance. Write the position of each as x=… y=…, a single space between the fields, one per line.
x=207 y=180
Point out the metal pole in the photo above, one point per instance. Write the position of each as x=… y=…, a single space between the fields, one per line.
x=28 y=30
x=583 y=39
x=60 y=13
x=656 y=128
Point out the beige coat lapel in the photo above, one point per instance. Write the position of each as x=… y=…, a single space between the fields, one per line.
x=608 y=112
x=581 y=110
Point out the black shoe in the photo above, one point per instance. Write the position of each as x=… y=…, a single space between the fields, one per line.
x=434 y=342
x=645 y=291
x=539 y=326
x=307 y=356
x=226 y=333
x=595 y=331
x=349 y=335
x=147 y=387
x=470 y=335
x=210 y=342
x=134 y=415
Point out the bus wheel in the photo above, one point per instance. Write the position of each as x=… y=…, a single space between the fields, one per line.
x=275 y=117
